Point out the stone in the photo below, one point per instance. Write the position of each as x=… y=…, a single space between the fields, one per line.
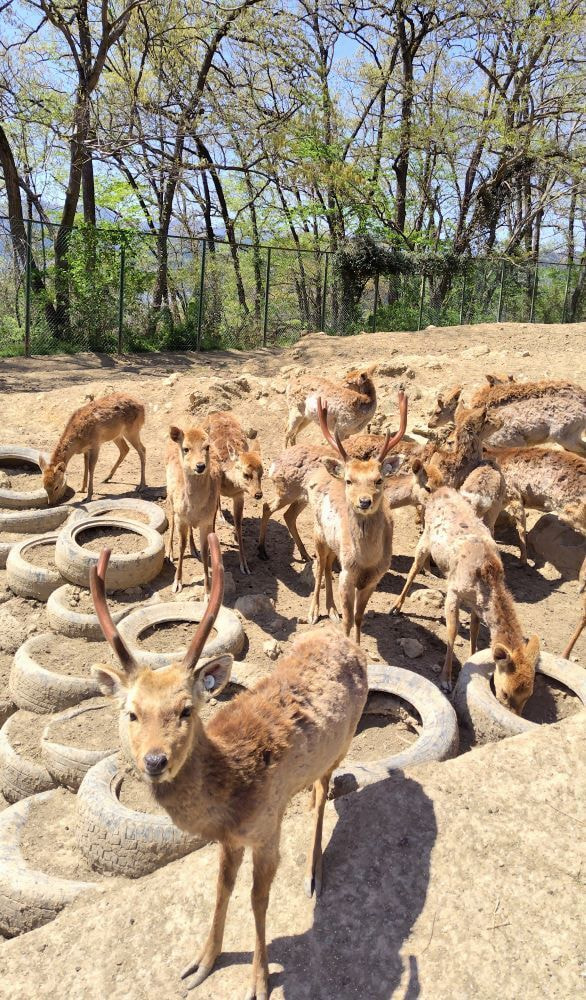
x=476 y=351
x=171 y=379
x=391 y=369
x=430 y=598
x=251 y=433
x=272 y=649
x=13 y=632
x=525 y=354
x=4 y=480
x=412 y=648
x=197 y=399
x=254 y=606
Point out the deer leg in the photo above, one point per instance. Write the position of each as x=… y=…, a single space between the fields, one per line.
x=238 y=509
x=133 y=437
x=319 y=566
x=419 y=559
x=204 y=531
x=230 y=861
x=123 y=449
x=362 y=599
x=295 y=424
x=86 y=463
x=313 y=868
x=178 y=581
x=579 y=628
x=348 y=600
x=474 y=626
x=290 y=517
x=331 y=608
x=517 y=509
x=192 y=548
x=451 y=612
x=265 y=860
x=268 y=509
x=92 y=459
x=171 y=519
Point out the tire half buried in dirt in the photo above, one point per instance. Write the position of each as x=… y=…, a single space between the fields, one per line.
x=119 y=840
x=481 y=712
x=35 y=688
x=439 y=736
x=73 y=559
x=77 y=624
x=229 y=636
x=12 y=454
x=27 y=579
x=22 y=772
x=144 y=511
x=69 y=759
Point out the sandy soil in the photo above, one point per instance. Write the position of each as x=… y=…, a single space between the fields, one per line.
x=121 y=542
x=26 y=731
x=22 y=478
x=168 y=636
x=96 y=728
x=42 y=556
x=48 y=841
x=72 y=657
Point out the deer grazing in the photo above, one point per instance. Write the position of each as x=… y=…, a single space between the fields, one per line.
x=466 y=554
x=350 y=403
x=193 y=493
x=352 y=522
x=117 y=418
x=526 y=413
x=231 y=780
x=241 y=468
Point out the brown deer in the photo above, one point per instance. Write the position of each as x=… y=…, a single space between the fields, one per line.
x=350 y=403
x=352 y=522
x=527 y=413
x=231 y=780
x=582 y=622
x=466 y=554
x=193 y=493
x=117 y=418
x=241 y=467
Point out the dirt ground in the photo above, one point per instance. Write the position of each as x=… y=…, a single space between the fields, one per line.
x=420 y=874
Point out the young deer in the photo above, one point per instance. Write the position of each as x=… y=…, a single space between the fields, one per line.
x=527 y=413
x=193 y=493
x=352 y=522
x=350 y=403
x=582 y=623
x=116 y=418
x=465 y=552
x=241 y=468
x=231 y=780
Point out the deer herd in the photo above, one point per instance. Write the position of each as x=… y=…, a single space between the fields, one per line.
x=231 y=780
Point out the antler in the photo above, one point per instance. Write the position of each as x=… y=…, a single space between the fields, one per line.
x=390 y=442
x=333 y=439
x=216 y=594
x=111 y=633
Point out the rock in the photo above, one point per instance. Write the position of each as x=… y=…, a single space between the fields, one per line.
x=411 y=647
x=251 y=433
x=134 y=592
x=281 y=389
x=197 y=399
x=429 y=598
x=476 y=351
x=4 y=480
x=229 y=585
x=391 y=369
x=272 y=649
x=13 y=632
x=171 y=379
x=254 y=606
x=525 y=354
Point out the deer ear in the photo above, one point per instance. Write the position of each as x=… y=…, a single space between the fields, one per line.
x=503 y=658
x=532 y=649
x=370 y=370
x=334 y=466
x=112 y=682
x=232 y=453
x=176 y=434
x=211 y=677
x=392 y=465
x=43 y=463
x=60 y=467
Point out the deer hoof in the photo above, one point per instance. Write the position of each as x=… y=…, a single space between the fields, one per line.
x=177 y=586
x=197 y=972
x=259 y=992
x=245 y=569
x=333 y=615
x=446 y=687
x=262 y=552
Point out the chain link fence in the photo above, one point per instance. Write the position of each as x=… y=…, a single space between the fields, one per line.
x=102 y=289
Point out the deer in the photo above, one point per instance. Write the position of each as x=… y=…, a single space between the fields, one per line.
x=352 y=522
x=453 y=402
x=527 y=413
x=351 y=403
x=582 y=622
x=118 y=418
x=193 y=492
x=545 y=479
x=466 y=554
x=230 y=781
x=241 y=469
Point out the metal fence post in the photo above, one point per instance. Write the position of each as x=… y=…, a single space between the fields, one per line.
x=121 y=297
x=265 y=318
x=202 y=273
x=375 y=308
x=27 y=289
x=421 y=297
x=324 y=294
x=569 y=266
x=534 y=294
x=499 y=311
x=462 y=299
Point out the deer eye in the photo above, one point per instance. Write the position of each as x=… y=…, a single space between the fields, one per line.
x=248 y=475
x=379 y=482
x=186 y=712
x=348 y=482
x=132 y=717
x=186 y=450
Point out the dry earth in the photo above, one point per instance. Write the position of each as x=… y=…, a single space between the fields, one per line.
x=424 y=900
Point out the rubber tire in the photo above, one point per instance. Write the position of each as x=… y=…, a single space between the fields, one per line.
x=36 y=689
x=74 y=624
x=95 y=508
x=25 y=499
x=26 y=579
x=120 y=840
x=230 y=637
x=439 y=739
x=74 y=562
x=20 y=776
x=29 y=898
x=481 y=713
x=69 y=764
x=34 y=522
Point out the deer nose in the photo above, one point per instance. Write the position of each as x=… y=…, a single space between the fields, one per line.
x=364 y=503
x=155 y=763
x=200 y=467
x=258 y=496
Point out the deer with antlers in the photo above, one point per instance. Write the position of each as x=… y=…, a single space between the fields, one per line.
x=231 y=780
x=352 y=522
